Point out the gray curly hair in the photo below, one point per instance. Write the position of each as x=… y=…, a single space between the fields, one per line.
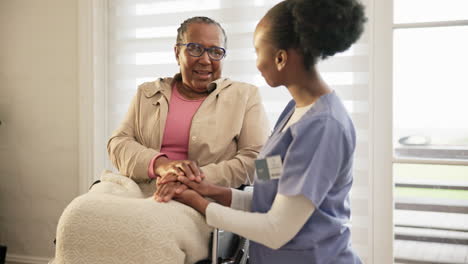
x=198 y=19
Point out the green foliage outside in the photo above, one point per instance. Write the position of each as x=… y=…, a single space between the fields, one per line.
x=442 y=173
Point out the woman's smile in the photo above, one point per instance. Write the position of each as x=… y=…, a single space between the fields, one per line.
x=203 y=74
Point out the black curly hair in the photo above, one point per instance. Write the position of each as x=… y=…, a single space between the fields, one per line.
x=198 y=19
x=317 y=28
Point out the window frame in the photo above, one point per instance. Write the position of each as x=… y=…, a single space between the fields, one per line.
x=92 y=89
x=382 y=147
x=426 y=154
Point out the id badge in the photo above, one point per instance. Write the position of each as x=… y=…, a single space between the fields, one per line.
x=269 y=168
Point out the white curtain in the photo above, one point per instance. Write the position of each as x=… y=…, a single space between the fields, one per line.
x=140 y=40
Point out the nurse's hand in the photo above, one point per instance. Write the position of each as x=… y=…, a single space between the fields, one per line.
x=169 y=186
x=193 y=199
x=204 y=188
x=222 y=195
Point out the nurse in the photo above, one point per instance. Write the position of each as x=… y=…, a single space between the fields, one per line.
x=299 y=208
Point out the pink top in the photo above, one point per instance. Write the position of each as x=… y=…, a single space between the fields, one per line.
x=177 y=130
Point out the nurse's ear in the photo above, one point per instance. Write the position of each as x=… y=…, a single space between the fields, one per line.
x=281 y=58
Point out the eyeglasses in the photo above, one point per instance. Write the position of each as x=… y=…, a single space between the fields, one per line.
x=197 y=50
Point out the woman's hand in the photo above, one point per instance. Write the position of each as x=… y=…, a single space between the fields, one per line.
x=164 y=167
x=173 y=184
x=193 y=199
x=165 y=192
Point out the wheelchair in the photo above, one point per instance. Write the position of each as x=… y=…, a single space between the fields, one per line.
x=227 y=248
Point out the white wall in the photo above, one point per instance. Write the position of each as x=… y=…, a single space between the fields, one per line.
x=39 y=130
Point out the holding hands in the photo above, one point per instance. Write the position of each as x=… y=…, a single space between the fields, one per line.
x=183 y=181
x=168 y=170
x=164 y=167
x=183 y=189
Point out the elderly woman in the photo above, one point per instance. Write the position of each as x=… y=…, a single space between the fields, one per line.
x=198 y=125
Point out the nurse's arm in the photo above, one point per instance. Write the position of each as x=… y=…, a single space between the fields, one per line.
x=273 y=229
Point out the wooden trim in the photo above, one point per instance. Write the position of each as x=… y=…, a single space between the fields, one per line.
x=92 y=78
x=420 y=226
x=101 y=94
x=433 y=239
x=452 y=23
x=430 y=161
x=24 y=259
x=412 y=261
x=380 y=134
x=432 y=205
x=426 y=184
x=86 y=93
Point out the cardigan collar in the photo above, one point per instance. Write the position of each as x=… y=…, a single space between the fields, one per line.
x=164 y=86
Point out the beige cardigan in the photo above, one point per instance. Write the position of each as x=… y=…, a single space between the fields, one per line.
x=226 y=134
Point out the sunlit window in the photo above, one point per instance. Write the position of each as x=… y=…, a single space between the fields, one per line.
x=430 y=89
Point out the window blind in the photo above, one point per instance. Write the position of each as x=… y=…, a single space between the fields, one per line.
x=141 y=36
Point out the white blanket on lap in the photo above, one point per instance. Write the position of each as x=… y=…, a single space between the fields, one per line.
x=113 y=223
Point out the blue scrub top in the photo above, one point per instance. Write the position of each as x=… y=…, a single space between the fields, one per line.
x=317 y=155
